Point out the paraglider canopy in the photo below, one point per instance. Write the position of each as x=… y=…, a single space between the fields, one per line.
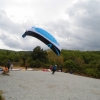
x=45 y=37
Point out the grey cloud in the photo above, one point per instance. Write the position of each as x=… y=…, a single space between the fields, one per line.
x=86 y=14
x=11 y=33
x=86 y=22
x=9 y=40
x=8 y=25
x=59 y=28
x=79 y=32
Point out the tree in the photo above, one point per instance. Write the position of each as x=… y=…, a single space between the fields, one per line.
x=39 y=54
x=70 y=66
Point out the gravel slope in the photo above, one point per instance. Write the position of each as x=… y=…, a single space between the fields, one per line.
x=38 y=85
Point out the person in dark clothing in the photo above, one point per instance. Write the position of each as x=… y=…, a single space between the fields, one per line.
x=8 y=65
x=26 y=66
x=54 y=69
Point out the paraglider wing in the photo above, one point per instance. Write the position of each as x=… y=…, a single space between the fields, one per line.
x=45 y=37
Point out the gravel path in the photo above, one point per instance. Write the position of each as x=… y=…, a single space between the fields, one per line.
x=38 y=85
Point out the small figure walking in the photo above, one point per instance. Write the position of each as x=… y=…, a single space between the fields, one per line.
x=11 y=66
x=54 y=69
x=8 y=65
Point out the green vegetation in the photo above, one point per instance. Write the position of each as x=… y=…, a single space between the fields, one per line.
x=1 y=97
x=78 y=62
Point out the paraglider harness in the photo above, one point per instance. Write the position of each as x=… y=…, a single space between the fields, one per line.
x=54 y=68
x=5 y=71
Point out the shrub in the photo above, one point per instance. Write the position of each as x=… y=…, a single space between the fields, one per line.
x=71 y=66
x=1 y=97
x=93 y=72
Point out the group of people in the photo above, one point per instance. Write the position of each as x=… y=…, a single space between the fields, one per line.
x=54 y=68
x=7 y=68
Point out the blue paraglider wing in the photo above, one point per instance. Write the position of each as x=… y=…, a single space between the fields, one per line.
x=45 y=37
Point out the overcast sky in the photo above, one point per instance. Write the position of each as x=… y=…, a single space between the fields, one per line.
x=74 y=23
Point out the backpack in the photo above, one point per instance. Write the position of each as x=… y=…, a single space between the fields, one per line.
x=54 y=67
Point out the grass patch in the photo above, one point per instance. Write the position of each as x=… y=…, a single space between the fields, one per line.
x=1 y=97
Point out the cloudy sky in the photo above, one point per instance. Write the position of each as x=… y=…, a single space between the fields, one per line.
x=74 y=23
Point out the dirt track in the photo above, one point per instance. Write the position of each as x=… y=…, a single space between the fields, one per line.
x=39 y=85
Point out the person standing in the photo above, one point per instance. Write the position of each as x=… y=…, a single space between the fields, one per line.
x=61 y=68
x=54 y=69
x=11 y=66
x=51 y=67
x=8 y=65
x=5 y=70
x=26 y=66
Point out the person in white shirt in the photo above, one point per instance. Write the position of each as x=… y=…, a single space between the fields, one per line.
x=11 y=66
